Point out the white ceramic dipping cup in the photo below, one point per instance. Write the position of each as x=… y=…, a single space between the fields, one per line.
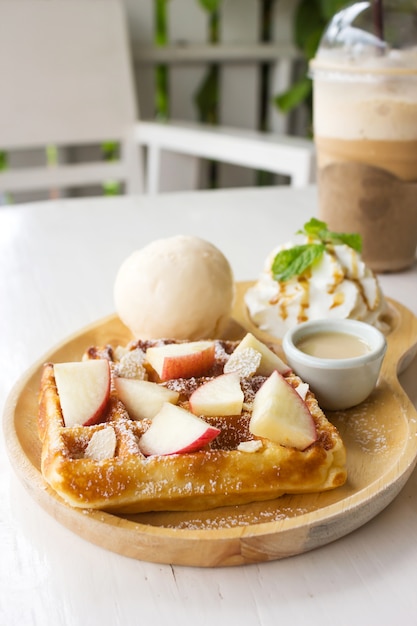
x=338 y=383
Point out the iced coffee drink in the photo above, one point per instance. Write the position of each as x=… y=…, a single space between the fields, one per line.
x=365 y=130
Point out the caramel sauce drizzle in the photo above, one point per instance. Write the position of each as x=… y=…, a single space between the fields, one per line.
x=303 y=280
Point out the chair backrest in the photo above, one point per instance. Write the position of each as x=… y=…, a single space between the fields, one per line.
x=66 y=80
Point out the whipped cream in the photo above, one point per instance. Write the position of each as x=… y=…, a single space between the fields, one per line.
x=338 y=285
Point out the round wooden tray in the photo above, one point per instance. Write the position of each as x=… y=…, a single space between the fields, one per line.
x=380 y=437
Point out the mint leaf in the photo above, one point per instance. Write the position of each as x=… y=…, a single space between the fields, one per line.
x=314 y=228
x=317 y=229
x=352 y=240
x=294 y=261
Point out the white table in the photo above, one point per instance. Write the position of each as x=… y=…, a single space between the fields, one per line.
x=58 y=261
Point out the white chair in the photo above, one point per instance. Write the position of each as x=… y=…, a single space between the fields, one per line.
x=67 y=80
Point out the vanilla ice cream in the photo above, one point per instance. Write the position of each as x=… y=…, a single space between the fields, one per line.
x=338 y=285
x=181 y=288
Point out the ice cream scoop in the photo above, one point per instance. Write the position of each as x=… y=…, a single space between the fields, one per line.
x=180 y=287
x=337 y=284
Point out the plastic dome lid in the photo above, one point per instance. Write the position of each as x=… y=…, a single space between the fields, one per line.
x=374 y=36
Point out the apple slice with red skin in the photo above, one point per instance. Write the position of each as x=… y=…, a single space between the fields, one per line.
x=181 y=360
x=279 y=414
x=269 y=360
x=222 y=395
x=175 y=430
x=143 y=398
x=84 y=389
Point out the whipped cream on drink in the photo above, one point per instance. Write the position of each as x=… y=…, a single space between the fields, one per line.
x=318 y=275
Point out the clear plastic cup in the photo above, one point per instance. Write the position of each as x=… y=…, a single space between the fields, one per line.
x=365 y=129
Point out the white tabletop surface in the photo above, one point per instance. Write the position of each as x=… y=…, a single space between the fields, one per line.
x=58 y=262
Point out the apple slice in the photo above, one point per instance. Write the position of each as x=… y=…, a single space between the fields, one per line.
x=279 y=414
x=175 y=431
x=181 y=360
x=142 y=398
x=84 y=389
x=269 y=360
x=221 y=396
x=102 y=444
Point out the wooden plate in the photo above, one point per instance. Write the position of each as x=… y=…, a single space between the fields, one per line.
x=380 y=437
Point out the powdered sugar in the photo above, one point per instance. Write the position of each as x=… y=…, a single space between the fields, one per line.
x=131 y=365
x=237 y=517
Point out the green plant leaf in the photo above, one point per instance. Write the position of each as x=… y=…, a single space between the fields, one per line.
x=312 y=43
x=294 y=261
x=307 y=20
x=329 y=8
x=161 y=19
x=207 y=96
x=310 y=20
x=51 y=153
x=110 y=150
x=3 y=160
x=295 y=95
x=210 y=5
x=112 y=188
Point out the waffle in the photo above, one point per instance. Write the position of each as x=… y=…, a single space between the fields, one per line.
x=237 y=467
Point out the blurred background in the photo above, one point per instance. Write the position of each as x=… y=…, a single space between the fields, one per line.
x=239 y=63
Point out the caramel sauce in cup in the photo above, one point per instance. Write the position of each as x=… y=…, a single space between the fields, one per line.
x=339 y=359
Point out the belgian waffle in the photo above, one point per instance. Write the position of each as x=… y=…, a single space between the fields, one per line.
x=224 y=472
